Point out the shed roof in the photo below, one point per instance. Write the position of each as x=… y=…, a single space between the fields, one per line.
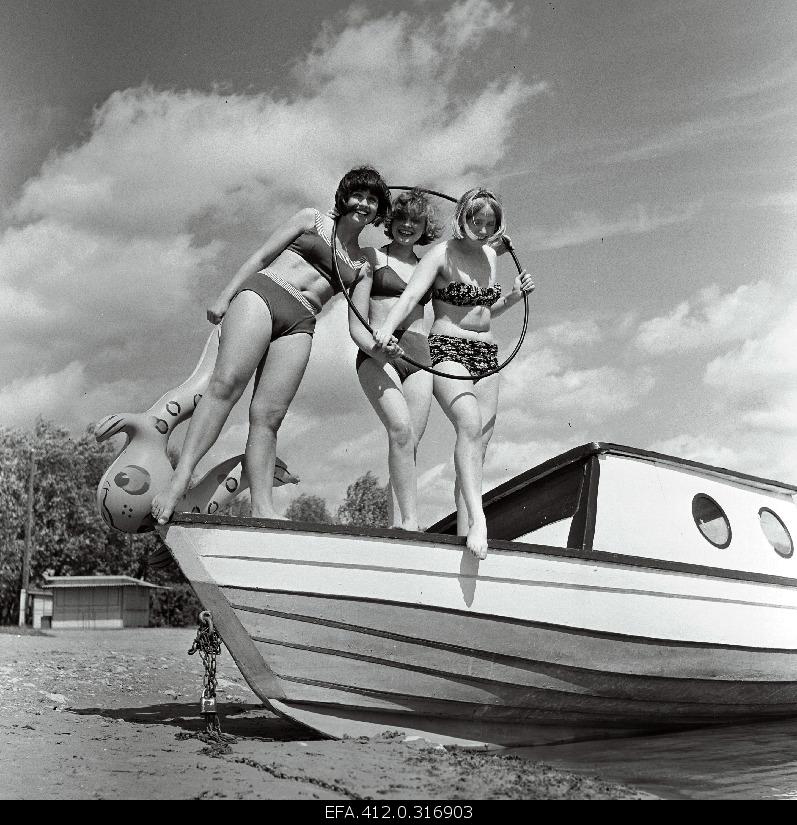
x=96 y=581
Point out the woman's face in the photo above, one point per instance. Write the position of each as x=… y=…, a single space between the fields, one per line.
x=406 y=230
x=362 y=205
x=482 y=223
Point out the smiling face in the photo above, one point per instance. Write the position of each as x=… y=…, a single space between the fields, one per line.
x=406 y=229
x=361 y=206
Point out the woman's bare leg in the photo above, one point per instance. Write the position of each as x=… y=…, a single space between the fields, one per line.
x=486 y=391
x=417 y=389
x=390 y=405
x=276 y=382
x=458 y=401
x=245 y=337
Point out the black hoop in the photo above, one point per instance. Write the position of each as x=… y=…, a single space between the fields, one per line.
x=407 y=358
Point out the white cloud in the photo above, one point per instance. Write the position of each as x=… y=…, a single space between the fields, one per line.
x=120 y=240
x=752 y=389
x=586 y=227
x=63 y=396
x=710 y=319
x=786 y=200
x=545 y=382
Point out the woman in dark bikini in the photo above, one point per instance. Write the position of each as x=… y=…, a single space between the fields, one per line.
x=269 y=310
x=399 y=392
x=465 y=296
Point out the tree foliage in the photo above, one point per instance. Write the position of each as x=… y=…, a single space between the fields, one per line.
x=69 y=538
x=309 y=508
x=366 y=503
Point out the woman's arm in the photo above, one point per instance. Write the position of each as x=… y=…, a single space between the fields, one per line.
x=523 y=285
x=274 y=245
x=361 y=298
x=423 y=276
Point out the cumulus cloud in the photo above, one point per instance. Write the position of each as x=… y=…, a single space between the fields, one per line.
x=65 y=396
x=114 y=247
x=755 y=379
x=710 y=318
x=546 y=381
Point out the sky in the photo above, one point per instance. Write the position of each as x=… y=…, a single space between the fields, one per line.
x=644 y=153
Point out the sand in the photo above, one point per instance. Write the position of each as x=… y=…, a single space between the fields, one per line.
x=114 y=714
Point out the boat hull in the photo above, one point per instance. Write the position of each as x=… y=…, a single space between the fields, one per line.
x=353 y=634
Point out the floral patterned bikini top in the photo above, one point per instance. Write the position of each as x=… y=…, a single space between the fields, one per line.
x=468 y=295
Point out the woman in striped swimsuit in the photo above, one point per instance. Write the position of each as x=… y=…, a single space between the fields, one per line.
x=269 y=310
x=462 y=275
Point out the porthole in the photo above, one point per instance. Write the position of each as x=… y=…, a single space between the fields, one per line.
x=776 y=532
x=711 y=520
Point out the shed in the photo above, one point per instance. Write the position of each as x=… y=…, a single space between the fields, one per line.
x=42 y=608
x=99 y=602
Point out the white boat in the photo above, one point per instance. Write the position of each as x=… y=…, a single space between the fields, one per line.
x=624 y=591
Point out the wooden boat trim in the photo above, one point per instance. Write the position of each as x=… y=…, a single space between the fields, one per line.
x=528 y=623
x=405 y=536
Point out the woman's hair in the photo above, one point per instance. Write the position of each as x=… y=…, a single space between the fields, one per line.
x=415 y=204
x=367 y=178
x=468 y=205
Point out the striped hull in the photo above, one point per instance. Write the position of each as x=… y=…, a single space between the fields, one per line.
x=355 y=634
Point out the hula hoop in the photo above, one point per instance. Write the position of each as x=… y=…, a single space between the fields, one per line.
x=407 y=358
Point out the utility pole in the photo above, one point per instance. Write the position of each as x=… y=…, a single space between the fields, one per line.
x=23 y=594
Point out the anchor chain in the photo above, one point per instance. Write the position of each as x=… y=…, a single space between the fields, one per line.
x=208 y=644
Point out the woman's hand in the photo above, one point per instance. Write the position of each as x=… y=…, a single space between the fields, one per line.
x=523 y=283
x=384 y=339
x=502 y=244
x=218 y=309
x=393 y=351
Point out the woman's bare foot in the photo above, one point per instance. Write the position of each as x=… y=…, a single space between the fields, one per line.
x=477 y=539
x=163 y=504
x=267 y=512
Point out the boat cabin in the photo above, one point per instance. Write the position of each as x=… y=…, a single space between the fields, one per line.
x=608 y=498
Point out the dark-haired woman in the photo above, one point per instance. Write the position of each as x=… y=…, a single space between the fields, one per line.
x=269 y=310
x=399 y=392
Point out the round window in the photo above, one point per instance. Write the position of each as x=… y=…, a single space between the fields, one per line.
x=776 y=532
x=711 y=520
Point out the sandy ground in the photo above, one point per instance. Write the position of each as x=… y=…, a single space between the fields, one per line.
x=115 y=715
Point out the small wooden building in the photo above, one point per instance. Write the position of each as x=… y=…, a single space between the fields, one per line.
x=42 y=608
x=99 y=602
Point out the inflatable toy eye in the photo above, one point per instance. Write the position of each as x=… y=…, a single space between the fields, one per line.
x=133 y=479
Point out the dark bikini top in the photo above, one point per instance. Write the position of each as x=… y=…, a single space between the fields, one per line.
x=388 y=283
x=315 y=247
x=467 y=295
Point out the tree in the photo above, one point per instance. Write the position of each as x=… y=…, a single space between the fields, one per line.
x=309 y=508
x=366 y=503
x=69 y=537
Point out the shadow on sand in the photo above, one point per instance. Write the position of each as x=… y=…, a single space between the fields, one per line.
x=244 y=721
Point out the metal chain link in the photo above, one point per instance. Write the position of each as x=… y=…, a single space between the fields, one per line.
x=208 y=644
